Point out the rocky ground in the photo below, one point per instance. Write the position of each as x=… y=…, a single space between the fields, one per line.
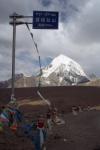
x=81 y=132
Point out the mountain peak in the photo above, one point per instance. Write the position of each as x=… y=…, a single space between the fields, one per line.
x=66 y=62
x=62 y=59
x=61 y=56
x=65 y=68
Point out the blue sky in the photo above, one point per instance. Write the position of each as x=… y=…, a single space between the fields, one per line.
x=78 y=35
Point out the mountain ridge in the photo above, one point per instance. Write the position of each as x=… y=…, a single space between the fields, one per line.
x=62 y=71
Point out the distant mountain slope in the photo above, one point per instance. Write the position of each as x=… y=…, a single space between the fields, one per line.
x=95 y=82
x=63 y=71
x=20 y=81
x=25 y=82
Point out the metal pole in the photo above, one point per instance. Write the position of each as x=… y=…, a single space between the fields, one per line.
x=13 y=57
x=14 y=23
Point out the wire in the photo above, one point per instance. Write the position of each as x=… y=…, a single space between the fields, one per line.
x=36 y=47
x=39 y=84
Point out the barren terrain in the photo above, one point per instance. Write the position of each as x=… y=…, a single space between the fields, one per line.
x=81 y=132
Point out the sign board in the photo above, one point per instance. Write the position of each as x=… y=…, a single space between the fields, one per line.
x=45 y=20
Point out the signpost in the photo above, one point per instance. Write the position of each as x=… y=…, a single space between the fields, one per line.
x=45 y=20
x=41 y=20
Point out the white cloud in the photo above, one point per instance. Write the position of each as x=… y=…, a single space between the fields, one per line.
x=78 y=35
x=86 y=28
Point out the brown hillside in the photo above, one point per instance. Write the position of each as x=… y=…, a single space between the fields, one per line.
x=63 y=97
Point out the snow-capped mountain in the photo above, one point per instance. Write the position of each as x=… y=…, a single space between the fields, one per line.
x=63 y=71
